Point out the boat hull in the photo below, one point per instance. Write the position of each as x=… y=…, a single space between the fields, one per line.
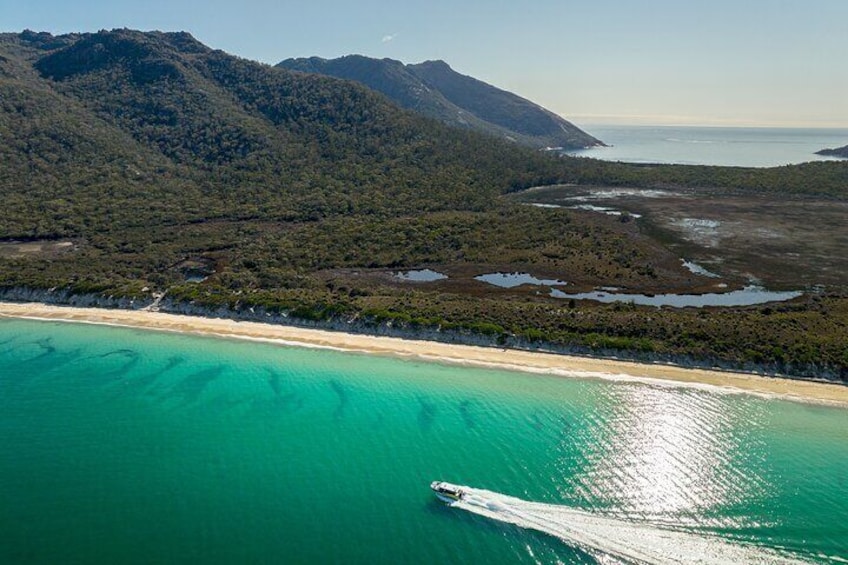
x=447 y=492
x=445 y=498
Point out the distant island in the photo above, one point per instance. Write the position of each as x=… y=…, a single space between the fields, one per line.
x=434 y=89
x=838 y=152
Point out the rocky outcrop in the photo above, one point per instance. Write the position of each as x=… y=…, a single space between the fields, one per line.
x=838 y=152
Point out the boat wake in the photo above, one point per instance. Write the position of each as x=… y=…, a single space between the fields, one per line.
x=629 y=541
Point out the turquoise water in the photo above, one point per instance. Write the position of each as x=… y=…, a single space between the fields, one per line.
x=124 y=446
x=731 y=146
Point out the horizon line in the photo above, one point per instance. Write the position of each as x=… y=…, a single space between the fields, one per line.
x=692 y=121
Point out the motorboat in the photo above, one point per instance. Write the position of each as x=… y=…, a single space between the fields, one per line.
x=447 y=492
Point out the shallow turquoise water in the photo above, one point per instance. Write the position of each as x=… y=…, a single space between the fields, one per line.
x=129 y=446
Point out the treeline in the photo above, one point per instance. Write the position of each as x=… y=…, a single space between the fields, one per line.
x=148 y=151
x=819 y=178
x=762 y=338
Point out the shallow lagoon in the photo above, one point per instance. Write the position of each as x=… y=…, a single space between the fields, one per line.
x=748 y=296
x=512 y=280
x=421 y=275
x=129 y=446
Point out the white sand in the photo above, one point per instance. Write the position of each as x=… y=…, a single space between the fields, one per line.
x=547 y=363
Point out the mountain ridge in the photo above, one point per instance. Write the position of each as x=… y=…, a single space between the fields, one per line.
x=206 y=135
x=434 y=89
x=131 y=163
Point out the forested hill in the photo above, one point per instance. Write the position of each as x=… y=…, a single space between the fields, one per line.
x=436 y=90
x=147 y=127
x=125 y=118
x=136 y=163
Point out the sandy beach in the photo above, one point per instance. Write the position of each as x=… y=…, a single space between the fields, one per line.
x=546 y=363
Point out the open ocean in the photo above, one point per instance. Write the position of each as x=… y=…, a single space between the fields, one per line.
x=131 y=446
x=731 y=146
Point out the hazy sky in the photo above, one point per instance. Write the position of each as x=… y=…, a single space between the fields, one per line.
x=714 y=62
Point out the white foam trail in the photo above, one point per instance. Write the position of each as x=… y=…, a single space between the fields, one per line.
x=629 y=541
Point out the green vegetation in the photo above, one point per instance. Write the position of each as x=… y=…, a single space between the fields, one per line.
x=819 y=178
x=159 y=158
x=435 y=90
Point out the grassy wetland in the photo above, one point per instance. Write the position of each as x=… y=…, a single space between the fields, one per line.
x=158 y=165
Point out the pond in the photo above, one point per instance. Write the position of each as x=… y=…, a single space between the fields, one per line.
x=196 y=276
x=748 y=296
x=511 y=280
x=421 y=275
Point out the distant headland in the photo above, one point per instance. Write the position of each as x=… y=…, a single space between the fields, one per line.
x=838 y=152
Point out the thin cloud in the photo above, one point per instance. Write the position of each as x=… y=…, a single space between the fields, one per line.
x=387 y=38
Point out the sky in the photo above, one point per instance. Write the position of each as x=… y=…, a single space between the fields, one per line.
x=658 y=62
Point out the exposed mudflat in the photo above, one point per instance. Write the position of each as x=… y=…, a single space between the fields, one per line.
x=778 y=241
x=33 y=248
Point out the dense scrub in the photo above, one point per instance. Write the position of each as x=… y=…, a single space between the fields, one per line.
x=157 y=157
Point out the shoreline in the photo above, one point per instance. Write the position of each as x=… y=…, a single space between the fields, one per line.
x=432 y=351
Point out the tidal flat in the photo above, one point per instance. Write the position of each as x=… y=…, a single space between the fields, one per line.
x=782 y=243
